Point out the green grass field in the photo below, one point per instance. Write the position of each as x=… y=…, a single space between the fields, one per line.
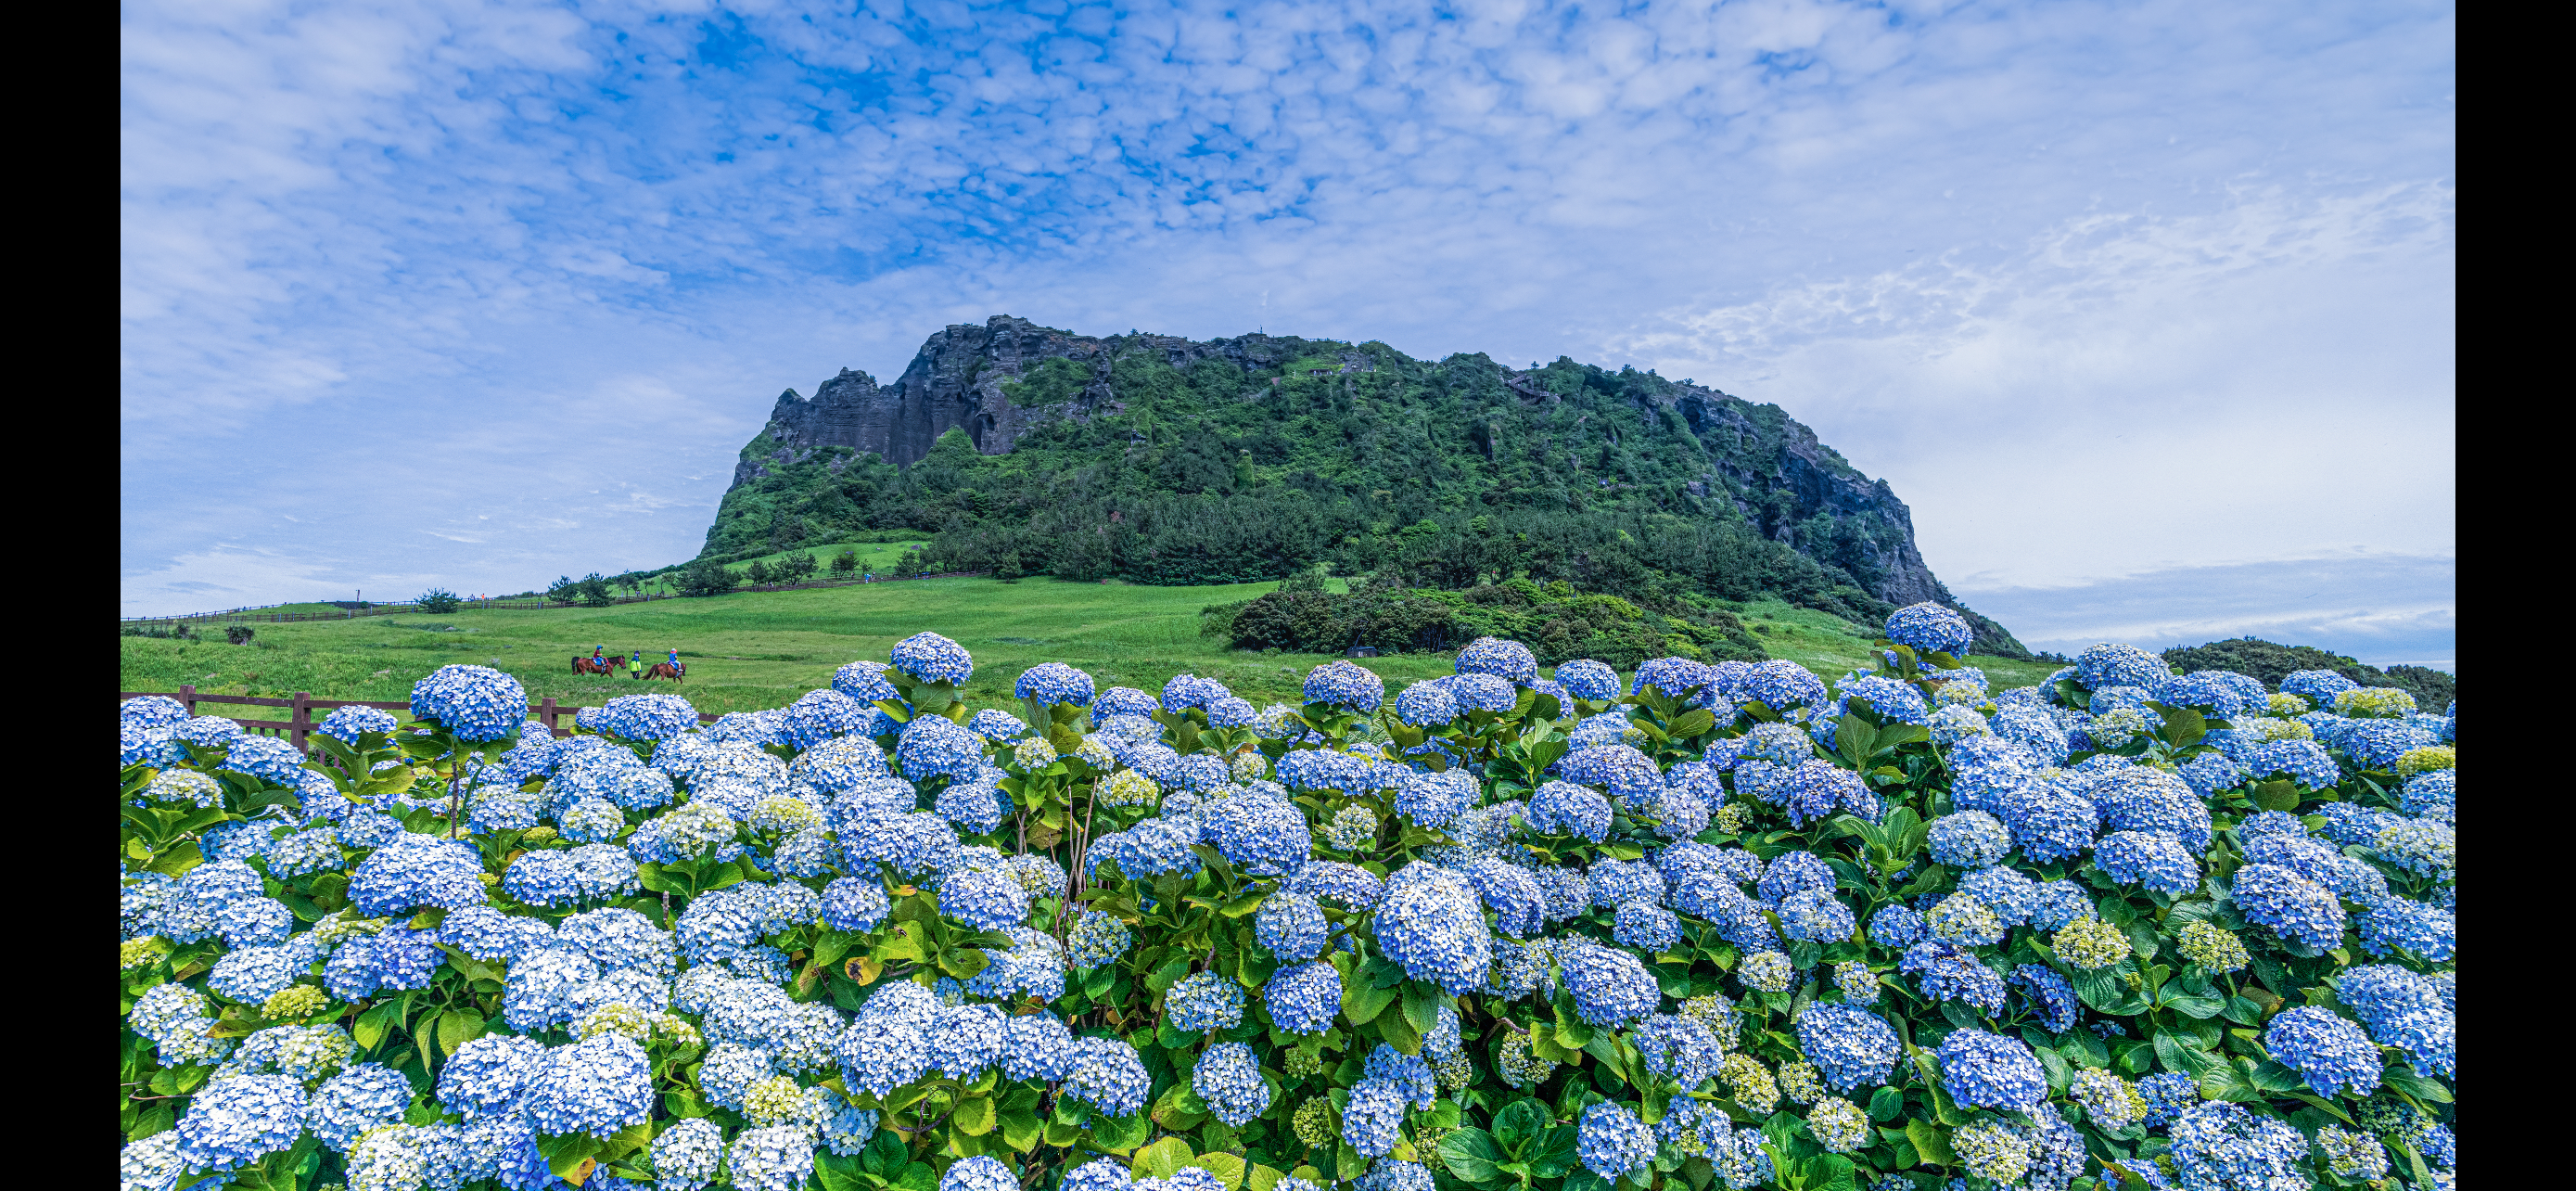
x=751 y=650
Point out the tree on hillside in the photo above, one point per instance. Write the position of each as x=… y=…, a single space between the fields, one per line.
x=794 y=568
x=758 y=572
x=439 y=600
x=706 y=578
x=564 y=590
x=845 y=563
x=594 y=592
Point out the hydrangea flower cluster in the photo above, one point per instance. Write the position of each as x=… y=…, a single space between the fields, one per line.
x=1310 y=937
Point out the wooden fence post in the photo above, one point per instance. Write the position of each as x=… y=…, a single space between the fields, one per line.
x=302 y=719
x=188 y=695
x=546 y=713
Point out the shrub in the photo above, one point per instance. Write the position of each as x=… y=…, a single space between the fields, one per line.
x=238 y=634
x=439 y=601
x=845 y=563
x=1218 y=946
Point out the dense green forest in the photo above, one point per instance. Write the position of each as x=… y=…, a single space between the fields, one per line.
x=1451 y=475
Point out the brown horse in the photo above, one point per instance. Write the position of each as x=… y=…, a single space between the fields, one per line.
x=583 y=665
x=663 y=670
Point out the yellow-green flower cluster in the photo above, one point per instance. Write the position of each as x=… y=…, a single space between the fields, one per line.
x=616 y=1018
x=2381 y=701
x=783 y=815
x=1313 y=1123
x=1839 y=1125
x=2286 y=705
x=1034 y=753
x=1800 y=1082
x=2091 y=943
x=295 y=1002
x=1520 y=1065
x=1751 y=1085
x=2427 y=760
x=1128 y=788
x=1992 y=1150
x=2213 y=949
x=141 y=953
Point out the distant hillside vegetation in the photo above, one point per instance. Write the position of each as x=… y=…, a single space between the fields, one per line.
x=1556 y=623
x=2433 y=690
x=1027 y=450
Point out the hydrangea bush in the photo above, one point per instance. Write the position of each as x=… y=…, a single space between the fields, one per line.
x=1722 y=925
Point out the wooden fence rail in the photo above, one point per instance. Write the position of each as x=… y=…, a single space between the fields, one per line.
x=300 y=725
x=244 y=616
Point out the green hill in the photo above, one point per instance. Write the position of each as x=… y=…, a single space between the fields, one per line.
x=1025 y=450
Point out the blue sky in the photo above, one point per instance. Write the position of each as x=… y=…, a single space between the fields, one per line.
x=2147 y=309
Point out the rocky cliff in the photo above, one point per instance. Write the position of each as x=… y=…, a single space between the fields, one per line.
x=1391 y=441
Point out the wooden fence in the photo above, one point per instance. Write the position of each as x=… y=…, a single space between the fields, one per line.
x=300 y=724
x=254 y=616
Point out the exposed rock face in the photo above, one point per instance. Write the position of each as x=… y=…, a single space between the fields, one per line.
x=1771 y=468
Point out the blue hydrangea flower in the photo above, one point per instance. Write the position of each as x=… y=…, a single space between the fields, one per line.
x=1228 y=1078
x=1625 y=772
x=1563 y=808
x=931 y=746
x=1481 y=692
x=1305 y=998
x=1426 y=704
x=365 y=1096
x=235 y=1121
x=1588 y=679
x=1373 y=1120
x=1611 y=1142
x=2298 y=909
x=1814 y=916
x=2220 y=1144
x=1345 y=684
x=417 y=872
x=1991 y=1071
x=1645 y=926
x=1108 y=1076
x=1946 y=971
x=929 y=657
x=1894 y=701
x=2330 y=1052
x=1674 y=678
x=1929 y=628
x=476 y=703
x=1680 y=1049
x=978 y=1173
x=2318 y=687
x=2399 y=924
x=1850 y=1047
x=1897 y=926
x=1610 y=987
x=1204 y=1002
x=2160 y=862
x=1291 y=925
x=1969 y=839
x=1790 y=872
x=1780 y=685
x=1433 y=925
x=1510 y=661
x=345 y=724
x=1054 y=682
x=2119 y=665
x=1816 y=789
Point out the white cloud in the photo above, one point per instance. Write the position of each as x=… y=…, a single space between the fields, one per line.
x=410 y=268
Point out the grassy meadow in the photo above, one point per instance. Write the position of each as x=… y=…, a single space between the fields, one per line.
x=751 y=650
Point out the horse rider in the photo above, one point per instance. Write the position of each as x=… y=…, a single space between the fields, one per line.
x=635 y=665
x=675 y=661
x=597 y=660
